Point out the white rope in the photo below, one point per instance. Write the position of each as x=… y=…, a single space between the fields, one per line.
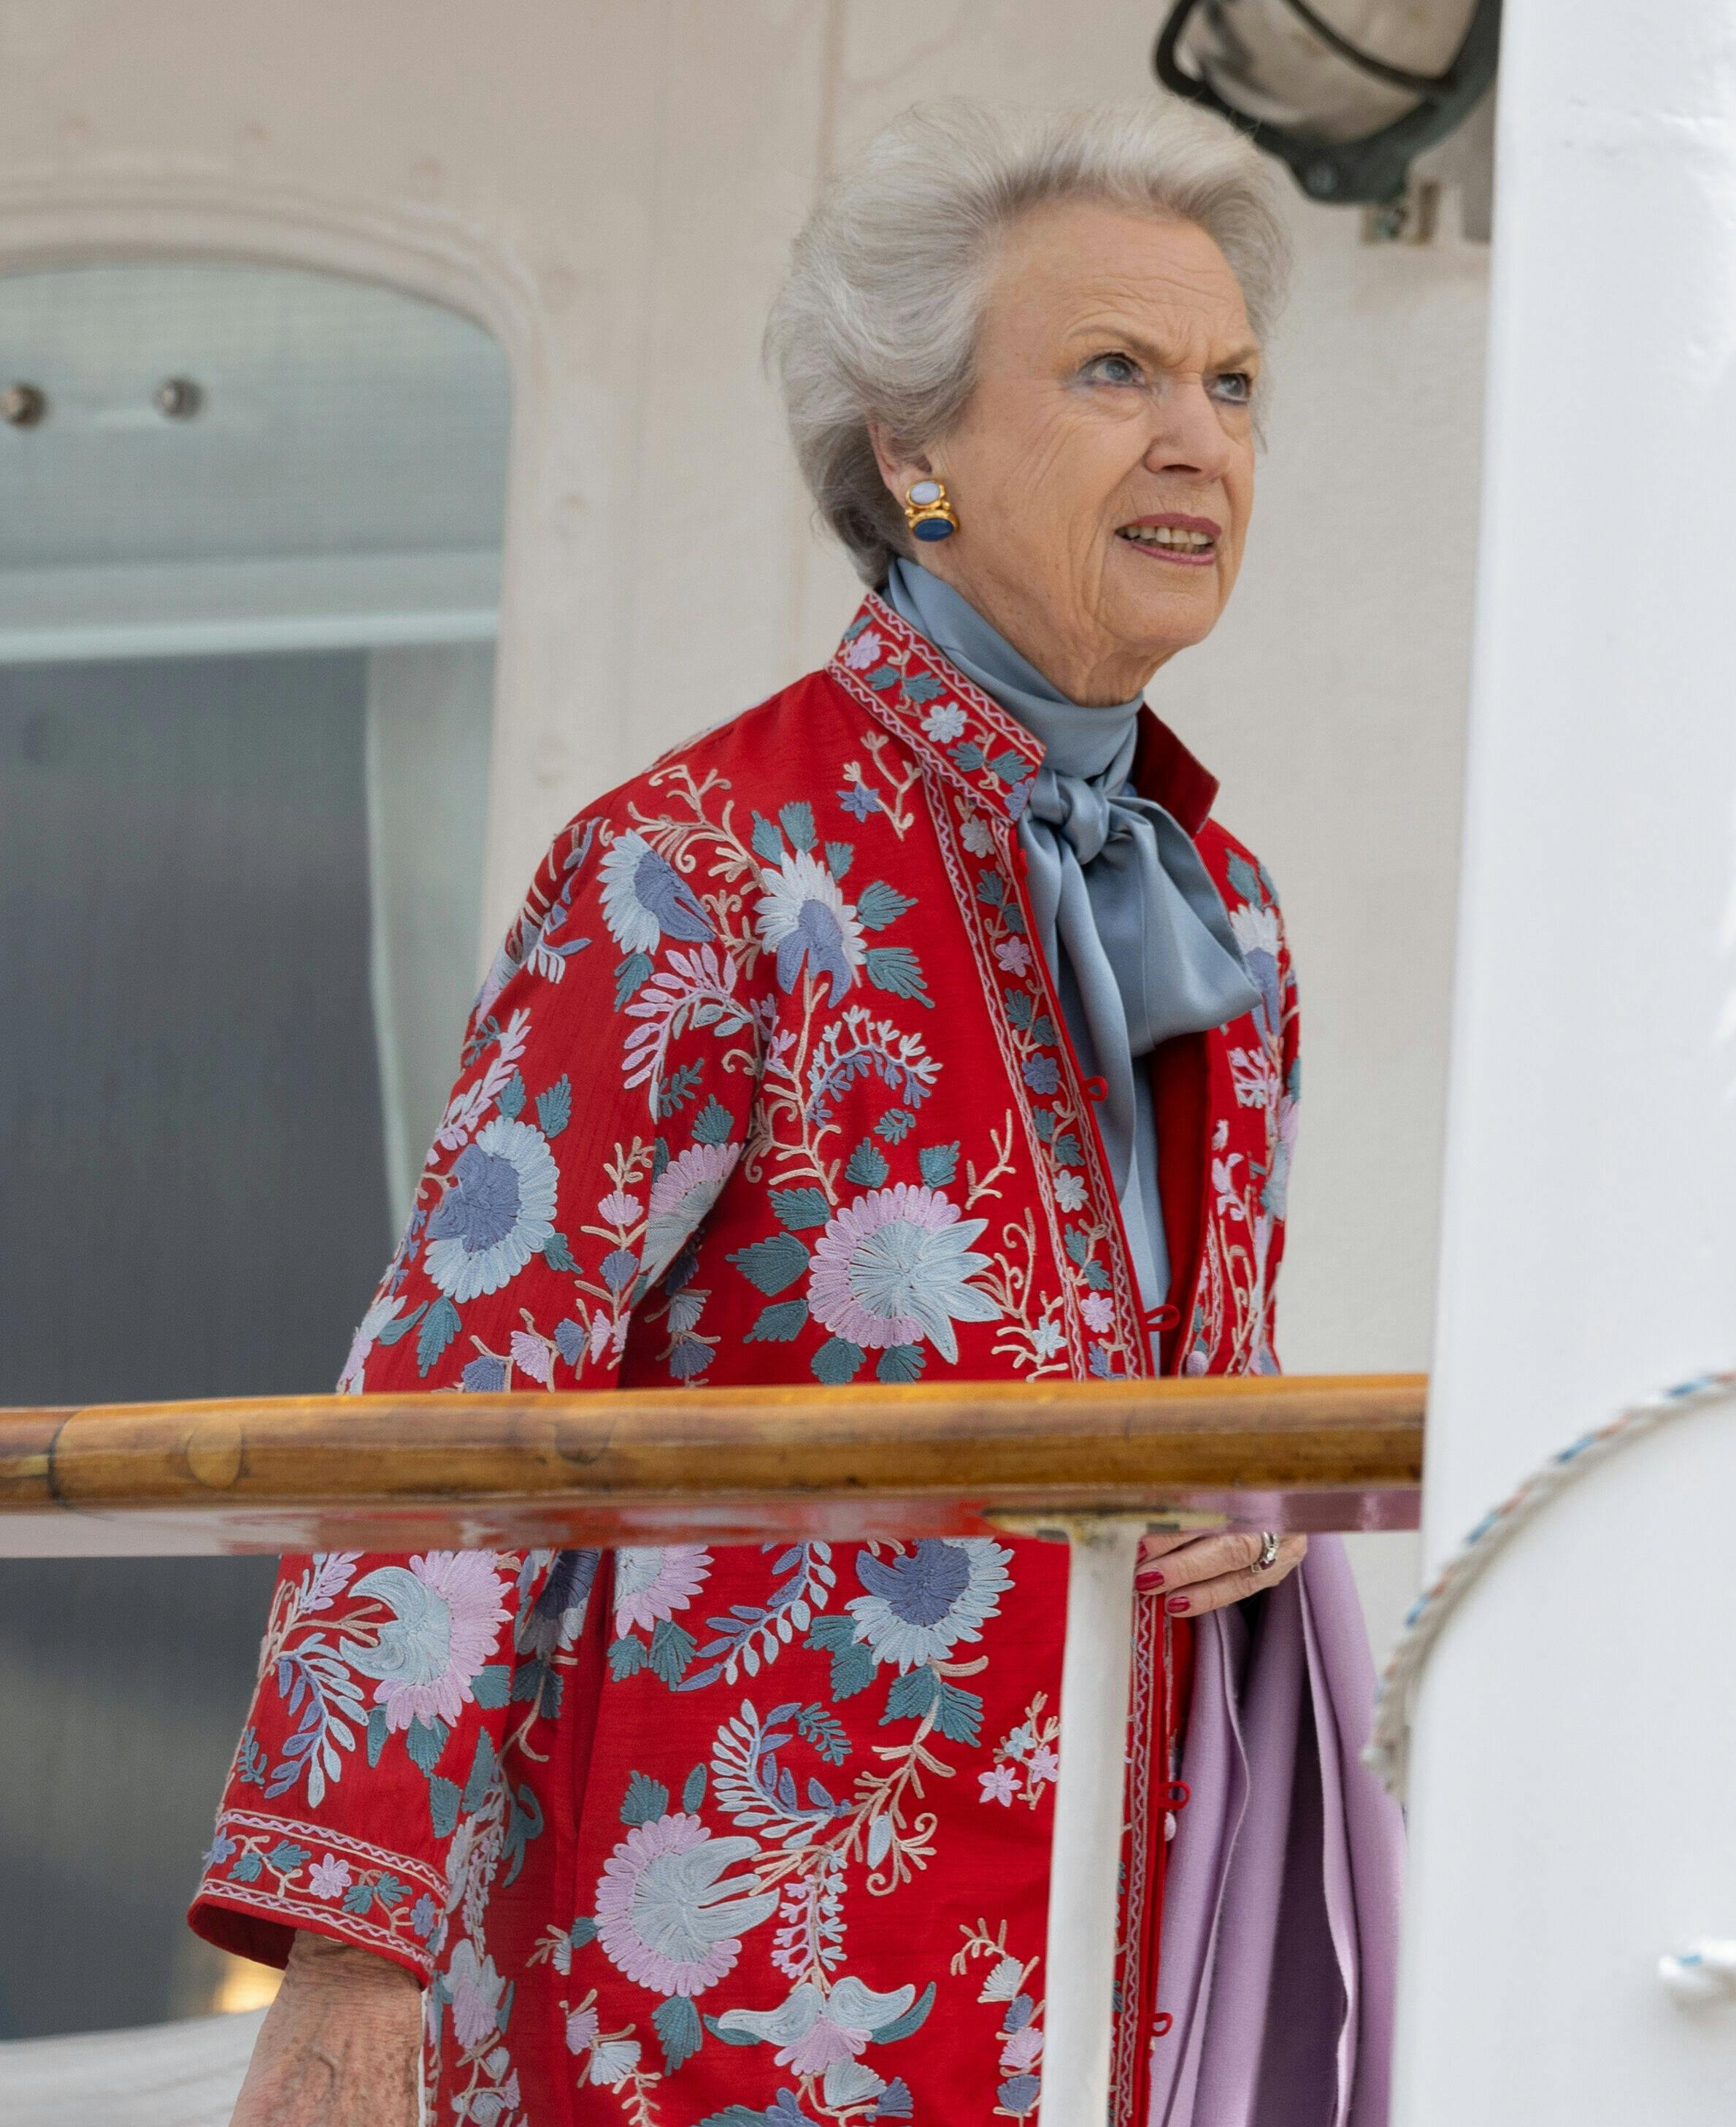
x=1387 y=1753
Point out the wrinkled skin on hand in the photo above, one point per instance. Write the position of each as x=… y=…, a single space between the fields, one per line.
x=340 y=2046
x=1195 y=1574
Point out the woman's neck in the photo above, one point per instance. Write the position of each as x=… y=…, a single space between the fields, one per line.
x=1081 y=665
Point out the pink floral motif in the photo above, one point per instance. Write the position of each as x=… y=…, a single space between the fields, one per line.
x=328 y=1878
x=867 y=649
x=666 y=1913
x=1014 y=956
x=447 y=1608
x=1098 y=1310
x=653 y=1581
x=530 y=1355
x=999 y=1783
x=895 y=1267
x=680 y=1196
x=1023 y=2050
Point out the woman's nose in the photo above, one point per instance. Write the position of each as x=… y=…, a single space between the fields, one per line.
x=1189 y=437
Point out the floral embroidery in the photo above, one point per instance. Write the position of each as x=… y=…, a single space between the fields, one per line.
x=1026 y=1759
x=895 y=1268
x=767 y=1084
x=1018 y=2087
x=924 y=1602
x=446 y=1611
x=668 y=1913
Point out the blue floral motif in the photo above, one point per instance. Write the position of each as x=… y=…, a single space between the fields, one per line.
x=498 y=1213
x=1043 y=1074
x=920 y=1604
x=804 y=921
x=645 y=898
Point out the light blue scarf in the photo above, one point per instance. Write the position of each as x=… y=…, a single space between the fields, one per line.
x=1135 y=933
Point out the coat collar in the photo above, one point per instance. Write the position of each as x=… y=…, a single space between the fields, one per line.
x=949 y=721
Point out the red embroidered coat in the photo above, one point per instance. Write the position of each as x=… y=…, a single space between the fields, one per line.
x=768 y=1083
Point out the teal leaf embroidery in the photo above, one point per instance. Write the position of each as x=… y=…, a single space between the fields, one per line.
x=678 y=2029
x=880 y=904
x=492 y=1686
x=442 y=1808
x=714 y=1122
x=867 y=1168
x=672 y=1650
x=912 y=2019
x=629 y=974
x=853 y=1665
x=896 y=1126
x=645 y=1800
x=554 y=1108
x=773 y=1264
x=896 y=969
x=960 y=1716
x=912 y=1695
x=839 y=858
x=778 y=1323
x=797 y=818
x=511 y=1096
x=439 y=1326
x=627 y=1657
x=425 y=1741
x=900 y=1362
x=676 y=1090
x=557 y=1253
x=798 y=1209
x=939 y=1164
x=482 y=1769
x=838 y=1361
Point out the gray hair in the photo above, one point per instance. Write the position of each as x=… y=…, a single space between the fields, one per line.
x=878 y=317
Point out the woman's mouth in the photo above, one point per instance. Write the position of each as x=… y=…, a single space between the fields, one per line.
x=1190 y=542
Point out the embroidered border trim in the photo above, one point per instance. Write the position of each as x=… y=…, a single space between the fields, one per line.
x=271 y=1864
x=1133 y=2033
x=912 y=679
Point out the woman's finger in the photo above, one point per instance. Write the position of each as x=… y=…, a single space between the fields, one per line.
x=1161 y=1545
x=1201 y=1558
x=1216 y=1593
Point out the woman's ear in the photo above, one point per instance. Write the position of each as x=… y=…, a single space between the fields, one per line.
x=900 y=473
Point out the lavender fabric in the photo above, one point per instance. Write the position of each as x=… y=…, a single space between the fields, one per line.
x=1281 y=1905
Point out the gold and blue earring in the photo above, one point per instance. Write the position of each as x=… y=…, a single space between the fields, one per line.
x=928 y=513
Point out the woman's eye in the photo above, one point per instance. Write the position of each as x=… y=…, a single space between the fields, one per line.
x=1234 y=385
x=1112 y=369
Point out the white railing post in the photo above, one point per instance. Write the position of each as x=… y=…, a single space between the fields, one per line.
x=1079 y=1966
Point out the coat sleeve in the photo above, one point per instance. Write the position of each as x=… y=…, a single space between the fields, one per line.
x=604 y=1098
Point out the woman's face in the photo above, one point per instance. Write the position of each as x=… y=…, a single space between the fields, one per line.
x=1102 y=469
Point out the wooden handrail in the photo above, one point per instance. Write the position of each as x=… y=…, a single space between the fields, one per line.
x=710 y=1465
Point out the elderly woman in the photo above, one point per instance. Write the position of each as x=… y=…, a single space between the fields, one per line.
x=920 y=1023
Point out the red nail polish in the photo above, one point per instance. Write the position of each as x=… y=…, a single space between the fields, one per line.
x=1149 y=1579
x=1176 y=1604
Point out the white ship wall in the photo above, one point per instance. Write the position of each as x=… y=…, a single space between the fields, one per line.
x=611 y=189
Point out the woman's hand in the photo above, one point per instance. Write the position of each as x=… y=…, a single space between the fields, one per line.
x=1195 y=1574
x=340 y=2046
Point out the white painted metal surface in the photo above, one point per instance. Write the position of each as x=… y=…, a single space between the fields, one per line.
x=1078 y=1968
x=1575 y=1746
